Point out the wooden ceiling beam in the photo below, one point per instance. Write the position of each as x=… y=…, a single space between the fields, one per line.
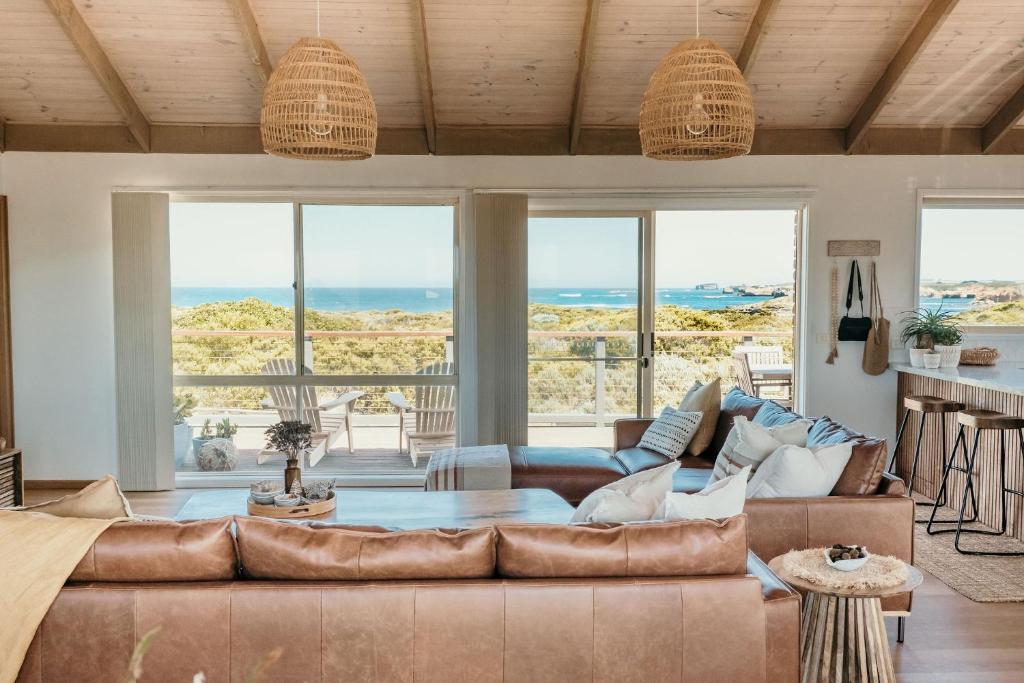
x=931 y=19
x=582 y=72
x=755 y=32
x=92 y=52
x=425 y=76
x=1003 y=121
x=510 y=141
x=254 y=40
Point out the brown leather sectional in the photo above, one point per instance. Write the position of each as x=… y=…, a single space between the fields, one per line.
x=867 y=507
x=673 y=601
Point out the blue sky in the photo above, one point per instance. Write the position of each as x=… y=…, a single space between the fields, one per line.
x=250 y=245
x=972 y=244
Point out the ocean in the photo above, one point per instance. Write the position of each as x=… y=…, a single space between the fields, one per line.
x=423 y=300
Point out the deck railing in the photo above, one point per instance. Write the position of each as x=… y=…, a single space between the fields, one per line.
x=599 y=414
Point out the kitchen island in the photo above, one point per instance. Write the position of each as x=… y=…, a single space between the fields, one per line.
x=999 y=387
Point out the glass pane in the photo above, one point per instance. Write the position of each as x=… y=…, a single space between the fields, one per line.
x=582 y=327
x=968 y=276
x=232 y=302
x=724 y=284
x=379 y=289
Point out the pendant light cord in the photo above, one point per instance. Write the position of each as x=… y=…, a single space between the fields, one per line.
x=696 y=5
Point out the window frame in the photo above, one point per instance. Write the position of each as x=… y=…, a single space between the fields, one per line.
x=963 y=198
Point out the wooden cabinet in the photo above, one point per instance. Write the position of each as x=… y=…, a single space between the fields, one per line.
x=12 y=485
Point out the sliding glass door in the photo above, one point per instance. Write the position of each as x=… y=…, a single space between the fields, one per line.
x=341 y=315
x=628 y=310
x=584 y=322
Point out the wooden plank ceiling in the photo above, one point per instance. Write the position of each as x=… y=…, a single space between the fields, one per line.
x=514 y=76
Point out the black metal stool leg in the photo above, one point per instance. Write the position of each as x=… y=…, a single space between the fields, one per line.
x=901 y=628
x=1003 y=490
x=944 y=485
x=917 y=456
x=945 y=457
x=899 y=440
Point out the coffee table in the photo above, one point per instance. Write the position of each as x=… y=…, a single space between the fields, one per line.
x=406 y=509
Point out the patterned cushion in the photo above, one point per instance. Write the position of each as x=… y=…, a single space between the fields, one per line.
x=671 y=432
x=750 y=442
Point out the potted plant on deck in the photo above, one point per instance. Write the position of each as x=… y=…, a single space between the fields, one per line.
x=292 y=438
x=932 y=331
x=183 y=406
x=205 y=434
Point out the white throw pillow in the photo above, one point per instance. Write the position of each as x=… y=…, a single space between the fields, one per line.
x=749 y=443
x=796 y=472
x=721 y=499
x=670 y=434
x=631 y=499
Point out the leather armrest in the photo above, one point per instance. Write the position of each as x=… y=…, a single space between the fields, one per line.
x=772 y=587
x=629 y=431
x=891 y=485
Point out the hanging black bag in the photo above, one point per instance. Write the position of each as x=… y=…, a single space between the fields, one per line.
x=850 y=328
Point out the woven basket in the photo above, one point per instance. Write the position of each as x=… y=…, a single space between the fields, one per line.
x=317 y=105
x=982 y=355
x=697 y=105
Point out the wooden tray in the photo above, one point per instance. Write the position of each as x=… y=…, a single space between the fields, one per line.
x=306 y=510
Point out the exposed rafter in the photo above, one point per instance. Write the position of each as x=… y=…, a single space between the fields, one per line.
x=927 y=24
x=755 y=32
x=1003 y=121
x=253 y=38
x=582 y=72
x=425 y=77
x=92 y=52
x=497 y=140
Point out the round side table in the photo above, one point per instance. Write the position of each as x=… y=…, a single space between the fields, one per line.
x=842 y=633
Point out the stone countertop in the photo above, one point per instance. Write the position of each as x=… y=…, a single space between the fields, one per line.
x=1007 y=377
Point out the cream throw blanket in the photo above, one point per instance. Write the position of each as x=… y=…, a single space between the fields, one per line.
x=38 y=552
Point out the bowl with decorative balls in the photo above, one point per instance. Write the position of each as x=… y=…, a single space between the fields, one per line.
x=846 y=558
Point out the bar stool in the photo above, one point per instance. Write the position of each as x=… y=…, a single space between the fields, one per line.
x=979 y=420
x=926 y=405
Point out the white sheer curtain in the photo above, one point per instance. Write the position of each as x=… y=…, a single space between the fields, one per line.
x=142 y=340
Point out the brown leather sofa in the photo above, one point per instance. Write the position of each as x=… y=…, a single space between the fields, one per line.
x=867 y=507
x=679 y=601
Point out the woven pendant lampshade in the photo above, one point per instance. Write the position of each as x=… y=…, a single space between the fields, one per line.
x=317 y=105
x=697 y=106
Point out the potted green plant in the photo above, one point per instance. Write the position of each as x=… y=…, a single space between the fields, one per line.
x=292 y=438
x=183 y=406
x=225 y=429
x=926 y=328
x=205 y=434
x=949 y=344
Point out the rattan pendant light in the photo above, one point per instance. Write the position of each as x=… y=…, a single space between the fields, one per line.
x=317 y=105
x=697 y=105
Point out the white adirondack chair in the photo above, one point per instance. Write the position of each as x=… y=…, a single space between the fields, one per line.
x=328 y=419
x=429 y=423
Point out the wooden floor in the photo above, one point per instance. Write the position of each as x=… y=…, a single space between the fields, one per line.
x=949 y=638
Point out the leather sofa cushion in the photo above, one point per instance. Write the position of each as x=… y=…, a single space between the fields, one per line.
x=863 y=472
x=161 y=551
x=677 y=548
x=638 y=459
x=690 y=479
x=572 y=473
x=327 y=552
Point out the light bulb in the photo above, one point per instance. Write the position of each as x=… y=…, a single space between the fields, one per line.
x=700 y=121
x=321 y=107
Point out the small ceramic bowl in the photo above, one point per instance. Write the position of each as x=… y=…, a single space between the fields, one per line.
x=848 y=565
x=287 y=500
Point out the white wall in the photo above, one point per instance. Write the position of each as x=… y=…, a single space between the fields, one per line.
x=60 y=244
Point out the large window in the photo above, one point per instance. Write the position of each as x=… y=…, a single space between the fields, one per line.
x=970 y=260
x=368 y=361
x=628 y=310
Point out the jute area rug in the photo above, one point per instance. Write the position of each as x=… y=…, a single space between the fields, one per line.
x=978 y=577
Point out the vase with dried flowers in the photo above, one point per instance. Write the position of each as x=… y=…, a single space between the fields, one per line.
x=293 y=439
